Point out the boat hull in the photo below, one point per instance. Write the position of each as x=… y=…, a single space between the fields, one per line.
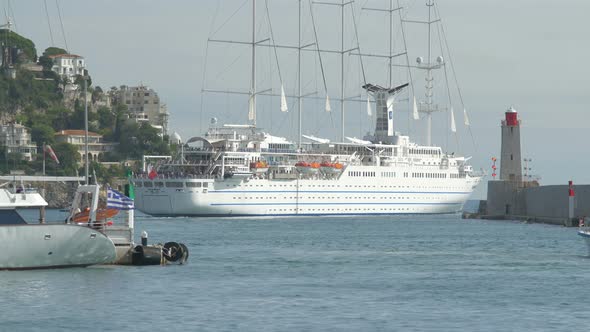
x=584 y=233
x=53 y=246
x=300 y=197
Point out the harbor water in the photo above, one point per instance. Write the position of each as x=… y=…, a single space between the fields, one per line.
x=405 y=273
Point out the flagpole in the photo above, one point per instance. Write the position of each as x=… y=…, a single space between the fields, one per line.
x=86 y=126
x=43 y=158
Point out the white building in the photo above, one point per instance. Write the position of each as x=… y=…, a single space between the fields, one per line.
x=96 y=147
x=17 y=139
x=144 y=105
x=68 y=65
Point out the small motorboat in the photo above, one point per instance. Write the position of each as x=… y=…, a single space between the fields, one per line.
x=25 y=246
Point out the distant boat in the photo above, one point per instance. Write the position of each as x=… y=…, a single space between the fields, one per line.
x=26 y=246
x=584 y=231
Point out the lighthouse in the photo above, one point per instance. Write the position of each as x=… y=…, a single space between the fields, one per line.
x=510 y=160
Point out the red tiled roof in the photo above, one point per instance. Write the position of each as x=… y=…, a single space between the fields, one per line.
x=64 y=56
x=75 y=132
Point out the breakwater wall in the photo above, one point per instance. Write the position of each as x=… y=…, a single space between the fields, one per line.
x=509 y=200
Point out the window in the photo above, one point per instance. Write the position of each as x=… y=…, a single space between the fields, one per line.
x=174 y=184
x=193 y=184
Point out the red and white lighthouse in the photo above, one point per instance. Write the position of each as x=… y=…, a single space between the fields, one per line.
x=510 y=158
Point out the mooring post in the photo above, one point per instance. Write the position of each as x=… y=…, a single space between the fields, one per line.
x=42 y=209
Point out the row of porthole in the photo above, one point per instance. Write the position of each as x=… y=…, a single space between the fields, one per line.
x=346 y=197
x=340 y=210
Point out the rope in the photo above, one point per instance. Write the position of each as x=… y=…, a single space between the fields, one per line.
x=48 y=22
x=205 y=68
x=317 y=44
x=448 y=88
x=62 y=26
x=229 y=18
x=444 y=38
x=272 y=38
x=410 y=100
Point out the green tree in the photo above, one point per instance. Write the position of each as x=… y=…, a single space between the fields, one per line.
x=68 y=158
x=42 y=133
x=106 y=117
x=13 y=39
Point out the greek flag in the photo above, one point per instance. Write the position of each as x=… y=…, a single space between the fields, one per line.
x=116 y=200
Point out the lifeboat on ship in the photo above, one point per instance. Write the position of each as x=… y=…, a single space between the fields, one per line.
x=258 y=167
x=101 y=214
x=330 y=168
x=305 y=167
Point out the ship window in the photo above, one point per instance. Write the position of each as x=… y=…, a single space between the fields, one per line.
x=158 y=184
x=148 y=184
x=138 y=184
x=193 y=184
x=174 y=184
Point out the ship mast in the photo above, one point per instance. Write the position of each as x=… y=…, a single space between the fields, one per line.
x=299 y=99
x=428 y=107
x=252 y=106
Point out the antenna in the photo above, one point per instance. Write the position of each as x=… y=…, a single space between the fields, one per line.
x=427 y=106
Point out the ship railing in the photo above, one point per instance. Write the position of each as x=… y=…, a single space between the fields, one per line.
x=477 y=174
x=176 y=175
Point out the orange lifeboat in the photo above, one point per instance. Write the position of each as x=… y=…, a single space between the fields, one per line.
x=259 y=167
x=331 y=168
x=101 y=214
x=305 y=167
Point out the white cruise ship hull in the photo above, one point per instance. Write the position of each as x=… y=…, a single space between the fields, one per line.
x=262 y=197
x=28 y=246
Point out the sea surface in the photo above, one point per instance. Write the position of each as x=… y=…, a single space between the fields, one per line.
x=404 y=273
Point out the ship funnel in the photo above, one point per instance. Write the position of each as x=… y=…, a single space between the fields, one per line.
x=384 y=99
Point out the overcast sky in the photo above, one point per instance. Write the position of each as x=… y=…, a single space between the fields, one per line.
x=525 y=53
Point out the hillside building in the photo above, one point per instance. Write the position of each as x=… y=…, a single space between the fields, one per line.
x=96 y=147
x=16 y=138
x=68 y=65
x=144 y=106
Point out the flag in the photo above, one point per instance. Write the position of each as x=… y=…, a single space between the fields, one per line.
x=328 y=107
x=453 y=125
x=116 y=200
x=369 y=111
x=51 y=153
x=152 y=174
x=415 y=110
x=284 y=107
x=465 y=117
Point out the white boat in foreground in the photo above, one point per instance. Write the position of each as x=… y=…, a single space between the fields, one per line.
x=40 y=246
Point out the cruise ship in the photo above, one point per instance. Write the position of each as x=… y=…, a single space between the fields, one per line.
x=241 y=170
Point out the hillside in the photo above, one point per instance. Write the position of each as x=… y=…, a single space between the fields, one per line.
x=46 y=103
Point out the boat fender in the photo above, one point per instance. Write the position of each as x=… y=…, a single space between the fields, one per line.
x=144 y=238
x=175 y=252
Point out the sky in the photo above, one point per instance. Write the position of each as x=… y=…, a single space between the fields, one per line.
x=521 y=53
